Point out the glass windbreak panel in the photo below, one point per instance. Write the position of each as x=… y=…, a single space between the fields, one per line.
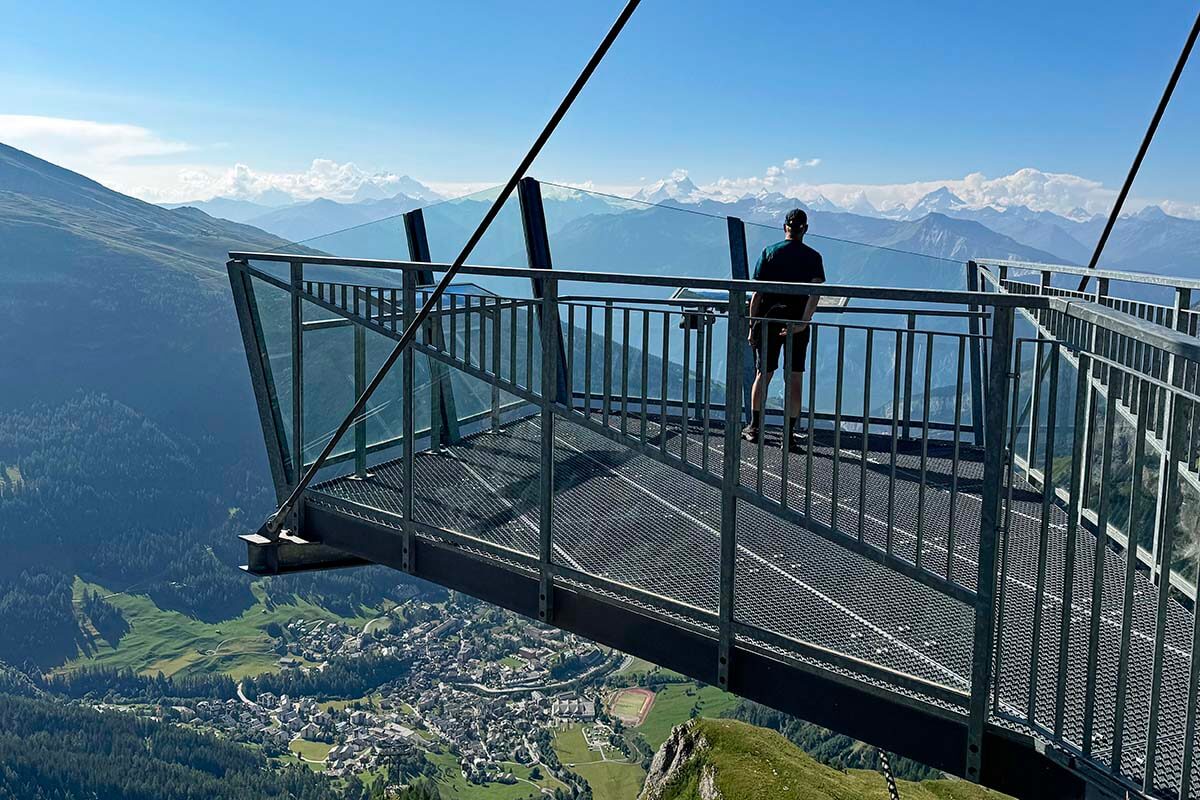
x=599 y=233
x=450 y=223
x=380 y=237
x=270 y=308
x=328 y=380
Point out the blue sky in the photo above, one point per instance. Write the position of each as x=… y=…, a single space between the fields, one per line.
x=453 y=92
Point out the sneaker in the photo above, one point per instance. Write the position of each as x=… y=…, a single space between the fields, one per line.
x=750 y=434
x=796 y=441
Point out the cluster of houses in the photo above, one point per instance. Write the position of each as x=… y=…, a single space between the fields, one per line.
x=481 y=687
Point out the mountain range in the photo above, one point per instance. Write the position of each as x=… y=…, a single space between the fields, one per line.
x=1150 y=240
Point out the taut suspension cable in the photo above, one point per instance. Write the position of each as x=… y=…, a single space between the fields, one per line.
x=1141 y=154
x=275 y=522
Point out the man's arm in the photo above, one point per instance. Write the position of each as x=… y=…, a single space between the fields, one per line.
x=810 y=306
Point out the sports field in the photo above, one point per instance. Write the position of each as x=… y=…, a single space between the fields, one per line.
x=631 y=705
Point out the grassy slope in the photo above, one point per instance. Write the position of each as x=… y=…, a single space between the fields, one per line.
x=452 y=786
x=673 y=705
x=754 y=762
x=175 y=643
x=609 y=780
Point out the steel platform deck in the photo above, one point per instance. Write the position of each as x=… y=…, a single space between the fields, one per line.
x=633 y=521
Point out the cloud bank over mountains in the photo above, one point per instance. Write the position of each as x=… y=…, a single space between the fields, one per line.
x=141 y=162
x=1060 y=193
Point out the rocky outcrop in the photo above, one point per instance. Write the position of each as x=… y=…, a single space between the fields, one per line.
x=678 y=754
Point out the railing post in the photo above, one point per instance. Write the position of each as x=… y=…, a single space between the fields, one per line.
x=973 y=328
x=443 y=416
x=408 y=429
x=550 y=365
x=360 y=386
x=537 y=249
x=995 y=461
x=739 y=269
x=297 y=285
x=734 y=350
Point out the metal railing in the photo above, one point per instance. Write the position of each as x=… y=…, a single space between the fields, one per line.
x=916 y=457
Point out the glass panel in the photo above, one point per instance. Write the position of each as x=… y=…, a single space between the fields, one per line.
x=273 y=309
x=449 y=224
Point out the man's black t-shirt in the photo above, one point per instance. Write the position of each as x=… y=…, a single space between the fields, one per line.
x=788 y=261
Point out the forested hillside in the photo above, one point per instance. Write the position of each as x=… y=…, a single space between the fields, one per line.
x=53 y=751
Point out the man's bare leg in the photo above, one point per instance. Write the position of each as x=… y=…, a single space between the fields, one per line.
x=758 y=401
x=795 y=394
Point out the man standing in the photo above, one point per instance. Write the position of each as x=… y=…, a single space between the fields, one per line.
x=789 y=261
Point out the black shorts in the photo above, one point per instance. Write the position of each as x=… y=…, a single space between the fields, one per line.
x=768 y=360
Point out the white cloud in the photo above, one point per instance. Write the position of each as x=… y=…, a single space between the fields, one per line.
x=794 y=163
x=86 y=146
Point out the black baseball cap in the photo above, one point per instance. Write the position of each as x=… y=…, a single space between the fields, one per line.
x=796 y=218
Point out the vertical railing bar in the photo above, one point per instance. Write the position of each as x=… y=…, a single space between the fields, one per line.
x=911 y=324
x=606 y=386
x=1131 y=563
x=529 y=335
x=866 y=434
x=785 y=445
x=453 y=317
x=812 y=411
x=666 y=376
x=762 y=411
x=923 y=485
x=1044 y=526
x=1035 y=400
x=1083 y=402
x=706 y=386
x=570 y=398
x=587 y=362
x=685 y=414
x=625 y=371
x=496 y=339
x=835 y=487
x=958 y=406
x=891 y=502
x=512 y=343
x=976 y=358
x=645 y=370
x=467 y=329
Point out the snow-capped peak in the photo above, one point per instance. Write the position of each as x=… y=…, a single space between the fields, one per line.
x=678 y=186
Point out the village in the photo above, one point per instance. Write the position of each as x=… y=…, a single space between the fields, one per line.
x=482 y=688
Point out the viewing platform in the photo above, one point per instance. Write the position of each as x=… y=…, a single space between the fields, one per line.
x=981 y=553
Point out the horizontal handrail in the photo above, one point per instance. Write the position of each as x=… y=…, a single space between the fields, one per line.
x=915 y=295
x=1110 y=274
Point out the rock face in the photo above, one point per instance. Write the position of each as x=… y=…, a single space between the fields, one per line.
x=682 y=748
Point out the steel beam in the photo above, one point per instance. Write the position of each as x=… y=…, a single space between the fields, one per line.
x=443 y=415
x=537 y=250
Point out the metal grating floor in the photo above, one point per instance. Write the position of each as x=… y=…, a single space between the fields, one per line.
x=633 y=520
